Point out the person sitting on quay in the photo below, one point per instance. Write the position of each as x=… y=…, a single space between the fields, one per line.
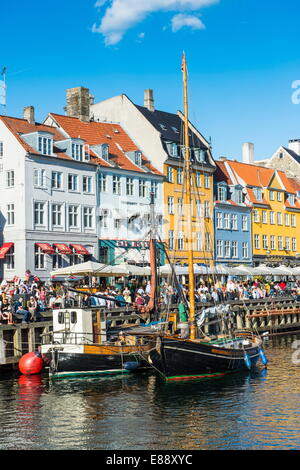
x=24 y=313
x=32 y=308
x=6 y=312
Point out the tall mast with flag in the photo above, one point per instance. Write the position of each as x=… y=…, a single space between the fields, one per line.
x=3 y=89
x=188 y=203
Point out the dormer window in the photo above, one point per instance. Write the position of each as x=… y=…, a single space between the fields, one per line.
x=173 y=150
x=222 y=193
x=105 y=152
x=238 y=196
x=86 y=151
x=258 y=193
x=199 y=155
x=45 y=145
x=291 y=199
x=138 y=158
x=77 y=151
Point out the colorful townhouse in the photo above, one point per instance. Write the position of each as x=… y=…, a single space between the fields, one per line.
x=275 y=202
x=160 y=137
x=232 y=219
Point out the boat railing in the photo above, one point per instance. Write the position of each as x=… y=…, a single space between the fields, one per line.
x=56 y=338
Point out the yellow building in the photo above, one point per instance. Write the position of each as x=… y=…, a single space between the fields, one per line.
x=275 y=212
x=175 y=210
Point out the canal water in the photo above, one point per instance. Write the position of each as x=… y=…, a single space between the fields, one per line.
x=257 y=410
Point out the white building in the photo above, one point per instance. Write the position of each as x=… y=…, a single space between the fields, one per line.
x=47 y=217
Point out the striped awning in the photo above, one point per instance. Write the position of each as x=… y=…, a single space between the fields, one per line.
x=4 y=249
x=79 y=249
x=46 y=248
x=63 y=249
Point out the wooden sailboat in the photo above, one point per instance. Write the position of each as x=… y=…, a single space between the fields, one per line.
x=199 y=355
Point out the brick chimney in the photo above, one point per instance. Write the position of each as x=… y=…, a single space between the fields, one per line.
x=28 y=114
x=148 y=100
x=78 y=103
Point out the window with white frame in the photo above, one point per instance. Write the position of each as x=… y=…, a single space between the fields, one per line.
x=39 y=178
x=57 y=261
x=207 y=241
x=227 y=253
x=10 y=214
x=256 y=216
x=273 y=242
x=272 y=198
x=245 y=250
x=56 y=180
x=245 y=223
x=264 y=217
x=279 y=218
x=102 y=183
x=256 y=242
x=154 y=188
x=87 y=184
x=206 y=209
x=293 y=220
x=39 y=213
x=171 y=239
x=180 y=206
x=198 y=179
x=116 y=185
x=77 y=151
x=129 y=186
x=272 y=218
x=291 y=199
x=219 y=220
x=287 y=244
x=138 y=158
x=173 y=150
x=222 y=193
x=56 y=215
x=180 y=241
x=179 y=175
x=10 y=258
x=287 y=219
x=226 y=221
x=72 y=182
x=234 y=248
x=105 y=152
x=104 y=218
x=88 y=217
x=219 y=248
x=199 y=244
x=199 y=209
x=45 y=145
x=258 y=193
x=280 y=242
x=206 y=181
x=279 y=196
x=239 y=196
x=265 y=242
x=294 y=244
x=170 y=205
x=10 y=179
x=39 y=258
x=73 y=216
x=142 y=188
x=234 y=221
x=170 y=174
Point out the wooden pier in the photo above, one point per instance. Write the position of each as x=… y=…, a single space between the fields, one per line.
x=277 y=316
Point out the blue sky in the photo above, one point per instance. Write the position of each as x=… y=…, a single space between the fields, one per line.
x=242 y=55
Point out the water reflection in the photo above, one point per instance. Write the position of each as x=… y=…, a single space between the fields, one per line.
x=251 y=410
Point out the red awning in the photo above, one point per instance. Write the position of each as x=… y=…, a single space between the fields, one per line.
x=63 y=248
x=80 y=249
x=46 y=248
x=4 y=249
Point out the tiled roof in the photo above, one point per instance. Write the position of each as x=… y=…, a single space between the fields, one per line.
x=22 y=126
x=221 y=173
x=97 y=133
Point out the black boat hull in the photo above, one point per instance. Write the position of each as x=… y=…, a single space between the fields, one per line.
x=184 y=359
x=65 y=364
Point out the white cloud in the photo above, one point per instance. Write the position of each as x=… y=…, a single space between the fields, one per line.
x=182 y=19
x=122 y=15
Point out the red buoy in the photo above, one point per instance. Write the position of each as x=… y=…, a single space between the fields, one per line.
x=31 y=363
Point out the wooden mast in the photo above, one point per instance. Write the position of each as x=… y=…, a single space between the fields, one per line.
x=188 y=204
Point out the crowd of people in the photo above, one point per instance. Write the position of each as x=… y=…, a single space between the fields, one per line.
x=28 y=299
